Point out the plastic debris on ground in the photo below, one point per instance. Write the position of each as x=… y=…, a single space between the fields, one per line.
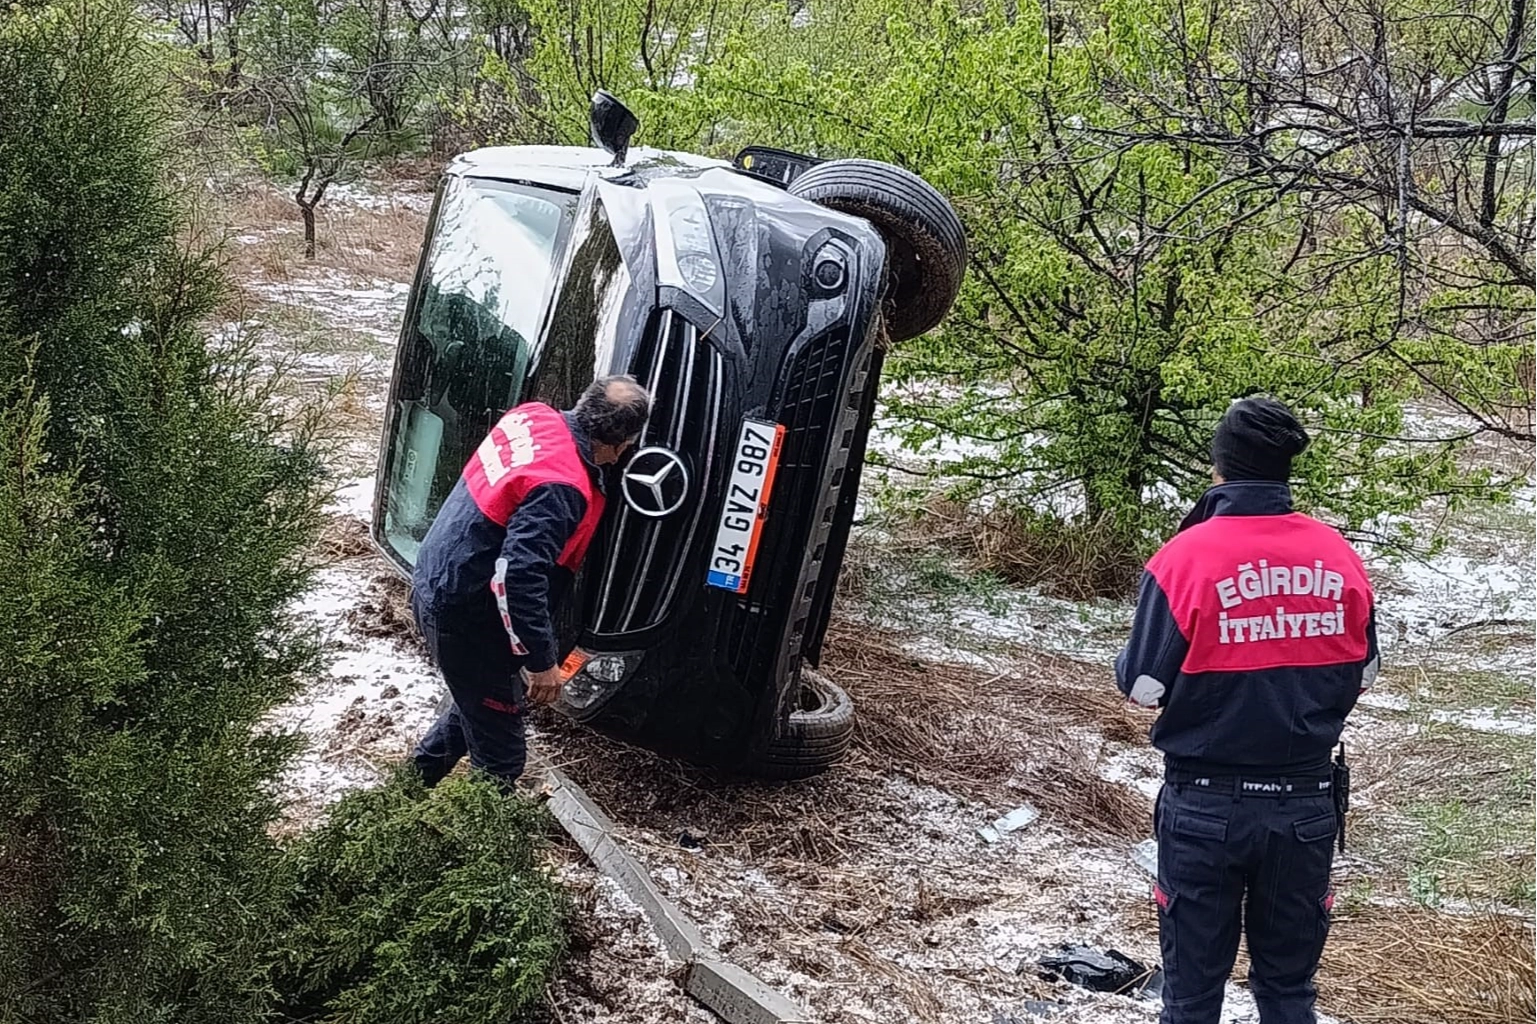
x=1030 y=1008
x=1107 y=971
x=1145 y=856
x=1015 y=820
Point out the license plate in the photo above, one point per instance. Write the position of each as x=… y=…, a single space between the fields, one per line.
x=747 y=497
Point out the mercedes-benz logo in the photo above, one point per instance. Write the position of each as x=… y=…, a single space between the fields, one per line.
x=655 y=482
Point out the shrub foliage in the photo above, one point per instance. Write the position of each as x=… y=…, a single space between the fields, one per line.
x=410 y=907
x=156 y=507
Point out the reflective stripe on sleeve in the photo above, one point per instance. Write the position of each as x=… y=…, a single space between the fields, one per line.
x=499 y=588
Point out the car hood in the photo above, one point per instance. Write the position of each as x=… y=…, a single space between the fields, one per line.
x=762 y=239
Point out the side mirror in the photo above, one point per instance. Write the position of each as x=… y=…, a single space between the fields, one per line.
x=612 y=124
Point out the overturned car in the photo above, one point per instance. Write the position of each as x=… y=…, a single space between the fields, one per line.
x=754 y=300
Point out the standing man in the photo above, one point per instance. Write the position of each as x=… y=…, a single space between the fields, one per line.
x=497 y=560
x=1255 y=634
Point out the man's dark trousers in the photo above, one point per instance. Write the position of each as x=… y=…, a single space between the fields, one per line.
x=1237 y=854
x=485 y=719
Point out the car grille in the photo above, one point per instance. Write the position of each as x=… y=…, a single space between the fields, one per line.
x=820 y=414
x=643 y=557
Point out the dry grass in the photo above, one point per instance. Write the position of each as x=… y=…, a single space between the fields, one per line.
x=996 y=740
x=1409 y=965
x=343 y=539
x=913 y=990
x=602 y=956
x=951 y=726
x=845 y=891
x=376 y=244
x=962 y=728
x=384 y=611
x=1403 y=965
x=1076 y=561
x=804 y=822
x=1446 y=813
x=267 y=236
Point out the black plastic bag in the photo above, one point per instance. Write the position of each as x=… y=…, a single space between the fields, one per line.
x=1108 y=971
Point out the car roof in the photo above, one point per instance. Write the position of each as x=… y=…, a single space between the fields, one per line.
x=568 y=166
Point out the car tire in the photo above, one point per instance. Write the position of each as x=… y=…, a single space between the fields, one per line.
x=817 y=735
x=925 y=243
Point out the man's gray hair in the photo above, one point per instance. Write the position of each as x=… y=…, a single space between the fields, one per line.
x=613 y=409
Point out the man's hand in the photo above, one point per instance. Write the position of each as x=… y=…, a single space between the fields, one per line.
x=544 y=687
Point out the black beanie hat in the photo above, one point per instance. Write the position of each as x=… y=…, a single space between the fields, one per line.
x=1257 y=440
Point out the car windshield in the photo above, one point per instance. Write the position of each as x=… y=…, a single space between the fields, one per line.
x=474 y=317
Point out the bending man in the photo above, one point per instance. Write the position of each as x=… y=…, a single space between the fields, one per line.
x=498 y=559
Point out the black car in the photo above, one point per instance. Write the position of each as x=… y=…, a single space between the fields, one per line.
x=755 y=300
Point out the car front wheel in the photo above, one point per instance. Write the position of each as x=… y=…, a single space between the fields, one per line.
x=817 y=735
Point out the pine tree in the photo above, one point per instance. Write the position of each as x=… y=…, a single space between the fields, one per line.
x=154 y=511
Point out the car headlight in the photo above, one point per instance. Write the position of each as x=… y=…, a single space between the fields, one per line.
x=699 y=271
x=595 y=676
x=685 y=247
x=608 y=669
x=579 y=692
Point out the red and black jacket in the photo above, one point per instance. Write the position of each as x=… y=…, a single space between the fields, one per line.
x=1254 y=632
x=514 y=530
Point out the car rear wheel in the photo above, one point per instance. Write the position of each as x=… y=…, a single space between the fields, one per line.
x=817 y=735
x=925 y=243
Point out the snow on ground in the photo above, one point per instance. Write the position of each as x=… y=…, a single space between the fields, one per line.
x=372 y=308
x=1491 y=720
x=1138 y=767
x=910 y=464
x=355 y=499
x=360 y=717
x=1426 y=605
x=979 y=626
x=623 y=975
x=365 y=195
x=1487 y=720
x=907 y=915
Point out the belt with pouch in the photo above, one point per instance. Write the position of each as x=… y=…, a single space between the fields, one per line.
x=1334 y=783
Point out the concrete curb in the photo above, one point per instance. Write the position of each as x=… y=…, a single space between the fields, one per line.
x=732 y=993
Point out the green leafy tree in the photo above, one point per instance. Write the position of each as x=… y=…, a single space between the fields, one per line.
x=156 y=507
x=153 y=517
x=1130 y=274
x=1396 y=136
x=409 y=60
x=645 y=52
x=327 y=95
x=72 y=653
x=501 y=105
x=210 y=28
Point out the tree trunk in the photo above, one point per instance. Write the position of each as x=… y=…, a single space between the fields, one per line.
x=1506 y=81
x=207 y=48
x=233 y=82
x=308 y=212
